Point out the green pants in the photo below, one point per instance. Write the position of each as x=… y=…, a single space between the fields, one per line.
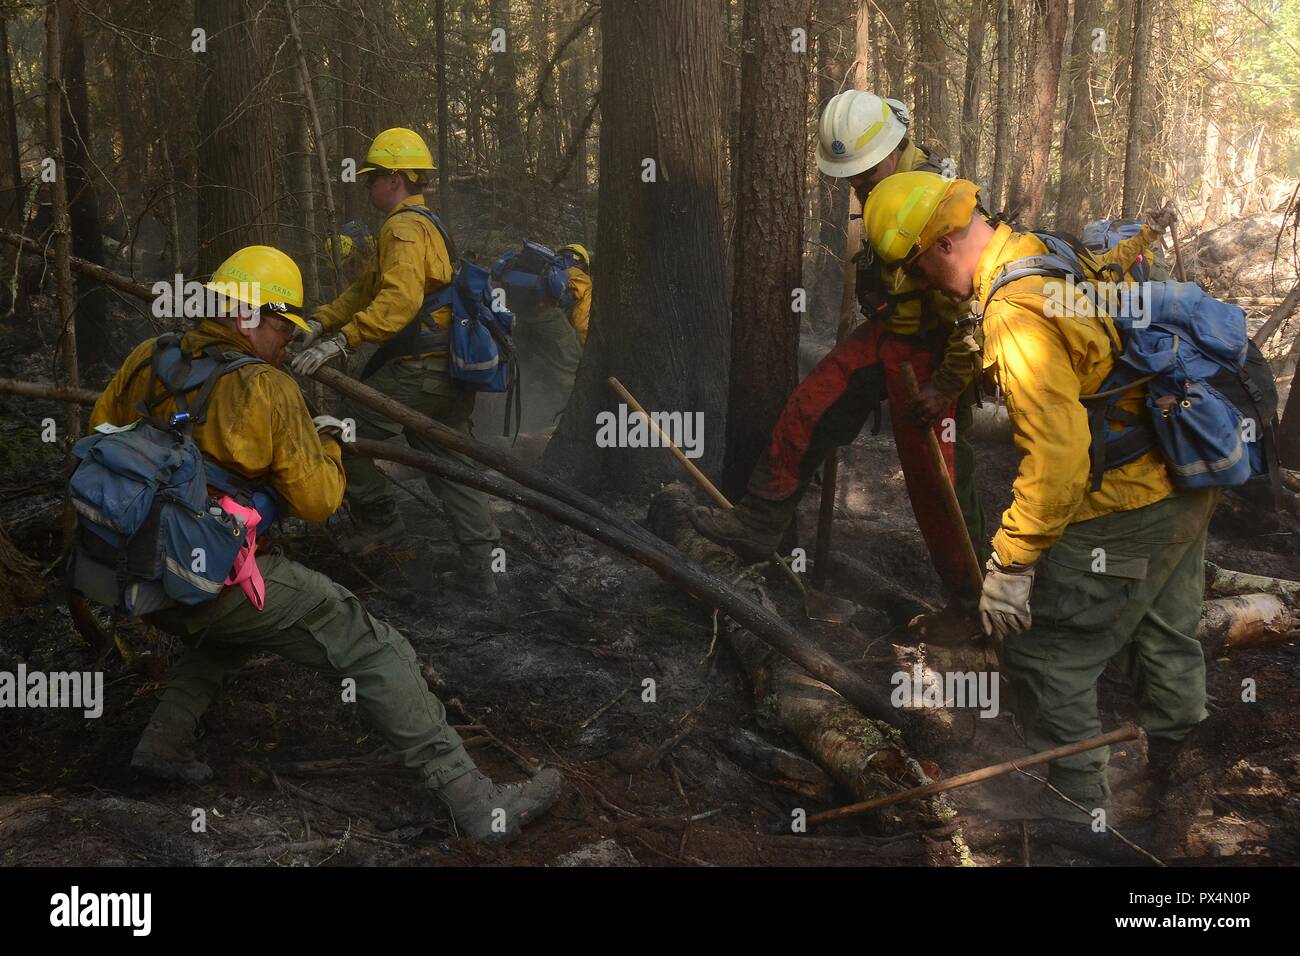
x=425 y=387
x=310 y=620
x=1126 y=587
x=549 y=352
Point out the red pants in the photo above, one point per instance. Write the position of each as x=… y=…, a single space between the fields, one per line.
x=829 y=408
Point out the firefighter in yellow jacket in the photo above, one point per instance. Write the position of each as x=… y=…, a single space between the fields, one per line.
x=256 y=427
x=1111 y=573
x=412 y=261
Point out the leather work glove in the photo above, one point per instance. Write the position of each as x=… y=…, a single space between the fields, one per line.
x=1161 y=219
x=327 y=426
x=1004 y=602
x=928 y=405
x=305 y=340
x=307 y=362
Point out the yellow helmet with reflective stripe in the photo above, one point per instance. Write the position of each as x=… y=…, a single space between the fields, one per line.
x=908 y=212
x=398 y=148
x=262 y=277
x=857 y=130
x=579 y=250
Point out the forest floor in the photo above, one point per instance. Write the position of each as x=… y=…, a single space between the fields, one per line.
x=553 y=673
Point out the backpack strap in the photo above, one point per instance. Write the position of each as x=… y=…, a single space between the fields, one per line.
x=176 y=375
x=407 y=340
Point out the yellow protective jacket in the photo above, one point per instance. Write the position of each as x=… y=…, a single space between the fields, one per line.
x=257 y=423
x=909 y=316
x=580 y=310
x=412 y=262
x=1043 y=362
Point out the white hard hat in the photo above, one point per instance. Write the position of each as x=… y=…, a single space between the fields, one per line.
x=857 y=130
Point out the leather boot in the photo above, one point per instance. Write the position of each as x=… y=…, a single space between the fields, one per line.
x=753 y=528
x=166 y=748
x=493 y=814
x=373 y=533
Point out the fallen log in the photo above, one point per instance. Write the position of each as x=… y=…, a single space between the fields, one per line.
x=595 y=520
x=97 y=272
x=1246 y=620
x=864 y=755
x=1127 y=732
x=1220 y=582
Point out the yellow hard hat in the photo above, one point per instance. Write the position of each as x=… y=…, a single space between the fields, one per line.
x=579 y=250
x=262 y=277
x=345 y=246
x=398 y=148
x=908 y=212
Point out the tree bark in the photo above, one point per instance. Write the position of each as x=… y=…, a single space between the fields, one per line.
x=930 y=55
x=968 y=160
x=444 y=114
x=67 y=348
x=834 y=57
x=769 y=233
x=11 y=171
x=1078 y=140
x=659 y=316
x=236 y=167
x=1029 y=170
x=505 y=92
x=1134 y=164
x=1002 y=109
x=78 y=171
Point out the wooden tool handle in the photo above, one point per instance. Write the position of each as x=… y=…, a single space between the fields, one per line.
x=950 y=504
x=700 y=477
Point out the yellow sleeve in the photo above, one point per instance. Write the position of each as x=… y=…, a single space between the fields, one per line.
x=958 y=366
x=308 y=472
x=580 y=311
x=1125 y=253
x=353 y=299
x=114 y=404
x=408 y=256
x=1050 y=426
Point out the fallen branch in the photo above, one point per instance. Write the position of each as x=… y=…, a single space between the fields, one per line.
x=85 y=267
x=1220 y=582
x=1246 y=620
x=1127 y=732
x=862 y=754
x=568 y=506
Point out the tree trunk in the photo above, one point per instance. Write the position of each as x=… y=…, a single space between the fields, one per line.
x=444 y=118
x=834 y=57
x=83 y=201
x=769 y=233
x=659 y=318
x=67 y=348
x=236 y=174
x=1002 y=110
x=11 y=171
x=968 y=160
x=1078 y=140
x=1134 y=163
x=931 y=65
x=1029 y=171
x=505 y=92
x=355 y=128
x=893 y=30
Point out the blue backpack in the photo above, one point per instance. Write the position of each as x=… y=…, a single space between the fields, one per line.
x=479 y=343
x=1210 y=394
x=533 y=275
x=148 y=536
x=1103 y=235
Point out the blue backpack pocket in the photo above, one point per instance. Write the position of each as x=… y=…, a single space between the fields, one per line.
x=1200 y=436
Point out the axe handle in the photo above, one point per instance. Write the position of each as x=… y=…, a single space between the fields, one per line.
x=951 y=506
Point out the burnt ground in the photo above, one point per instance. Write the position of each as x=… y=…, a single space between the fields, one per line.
x=554 y=673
